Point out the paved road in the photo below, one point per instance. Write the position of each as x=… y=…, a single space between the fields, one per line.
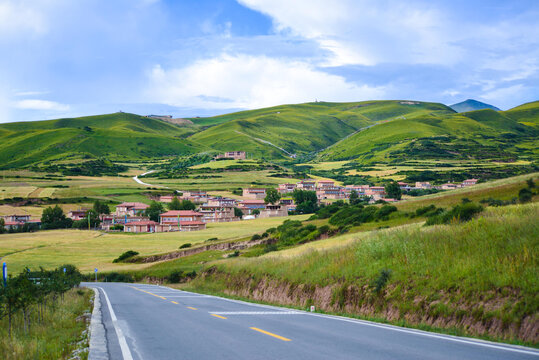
x=155 y=322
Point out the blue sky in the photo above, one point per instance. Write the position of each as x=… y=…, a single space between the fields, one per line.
x=63 y=58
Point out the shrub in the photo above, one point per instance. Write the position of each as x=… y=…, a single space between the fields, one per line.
x=525 y=195
x=270 y=247
x=186 y=245
x=119 y=277
x=256 y=237
x=460 y=213
x=176 y=276
x=126 y=255
x=234 y=254
x=382 y=280
x=324 y=229
x=212 y=239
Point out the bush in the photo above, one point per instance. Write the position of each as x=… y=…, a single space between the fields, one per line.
x=117 y=227
x=382 y=280
x=119 y=277
x=176 y=276
x=185 y=246
x=234 y=254
x=212 y=239
x=324 y=229
x=525 y=195
x=256 y=237
x=270 y=247
x=460 y=213
x=126 y=255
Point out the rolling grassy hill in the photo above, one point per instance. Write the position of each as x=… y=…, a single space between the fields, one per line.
x=119 y=136
x=481 y=134
x=371 y=131
x=302 y=128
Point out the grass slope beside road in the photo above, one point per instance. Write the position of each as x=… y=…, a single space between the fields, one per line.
x=55 y=336
x=478 y=278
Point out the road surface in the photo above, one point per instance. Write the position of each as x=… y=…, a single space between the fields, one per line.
x=136 y=179
x=154 y=322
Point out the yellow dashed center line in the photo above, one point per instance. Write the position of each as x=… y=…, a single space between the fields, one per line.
x=192 y=308
x=270 y=334
x=218 y=316
x=147 y=292
x=174 y=302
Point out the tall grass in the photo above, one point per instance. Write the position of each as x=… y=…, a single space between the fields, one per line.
x=54 y=337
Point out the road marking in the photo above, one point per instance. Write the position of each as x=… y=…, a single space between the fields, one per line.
x=174 y=302
x=270 y=334
x=187 y=296
x=126 y=353
x=218 y=316
x=475 y=342
x=257 y=312
x=147 y=292
x=192 y=308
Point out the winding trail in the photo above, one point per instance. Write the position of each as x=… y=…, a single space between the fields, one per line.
x=266 y=142
x=146 y=184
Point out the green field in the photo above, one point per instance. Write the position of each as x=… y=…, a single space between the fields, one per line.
x=90 y=249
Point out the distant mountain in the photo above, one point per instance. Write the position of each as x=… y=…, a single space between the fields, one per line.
x=471 y=105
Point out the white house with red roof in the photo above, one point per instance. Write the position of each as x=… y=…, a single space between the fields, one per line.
x=181 y=220
x=130 y=208
x=143 y=226
x=470 y=182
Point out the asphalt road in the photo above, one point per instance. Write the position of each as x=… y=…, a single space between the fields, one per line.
x=155 y=322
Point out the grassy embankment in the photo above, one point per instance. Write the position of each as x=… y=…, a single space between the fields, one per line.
x=477 y=278
x=55 y=336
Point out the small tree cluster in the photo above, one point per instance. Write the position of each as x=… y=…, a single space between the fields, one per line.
x=31 y=292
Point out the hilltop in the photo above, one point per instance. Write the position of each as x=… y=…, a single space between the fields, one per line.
x=471 y=105
x=370 y=131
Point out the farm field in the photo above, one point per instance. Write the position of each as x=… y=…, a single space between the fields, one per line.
x=90 y=249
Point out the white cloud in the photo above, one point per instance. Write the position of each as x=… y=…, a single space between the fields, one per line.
x=36 y=104
x=243 y=81
x=21 y=17
x=366 y=32
x=30 y=93
x=501 y=95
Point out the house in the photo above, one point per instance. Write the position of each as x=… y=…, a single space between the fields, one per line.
x=273 y=211
x=404 y=186
x=254 y=193
x=198 y=197
x=16 y=221
x=166 y=198
x=321 y=184
x=76 y=215
x=330 y=192
x=107 y=221
x=423 y=185
x=286 y=188
x=306 y=185
x=248 y=206
x=376 y=192
x=221 y=201
x=144 y=226
x=449 y=186
x=216 y=213
x=130 y=208
x=235 y=155
x=469 y=182
x=181 y=220
x=359 y=189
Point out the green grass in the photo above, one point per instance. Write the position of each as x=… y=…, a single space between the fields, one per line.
x=116 y=136
x=90 y=249
x=53 y=338
x=454 y=275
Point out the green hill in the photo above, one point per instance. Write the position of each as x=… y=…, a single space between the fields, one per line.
x=119 y=136
x=481 y=134
x=301 y=128
x=471 y=105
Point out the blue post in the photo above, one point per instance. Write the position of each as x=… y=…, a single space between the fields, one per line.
x=4 y=274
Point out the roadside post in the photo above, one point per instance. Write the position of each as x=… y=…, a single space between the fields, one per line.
x=4 y=274
x=95 y=271
x=312 y=308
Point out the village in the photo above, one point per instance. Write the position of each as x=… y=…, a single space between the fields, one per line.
x=132 y=217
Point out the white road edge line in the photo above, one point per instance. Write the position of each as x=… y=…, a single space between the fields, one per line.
x=126 y=353
x=389 y=327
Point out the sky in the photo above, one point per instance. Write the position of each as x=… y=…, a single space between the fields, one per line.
x=65 y=58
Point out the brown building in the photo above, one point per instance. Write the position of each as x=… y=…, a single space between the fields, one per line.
x=144 y=226
x=235 y=155
x=254 y=193
x=130 y=208
x=181 y=220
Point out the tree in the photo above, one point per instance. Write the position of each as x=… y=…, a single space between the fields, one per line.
x=174 y=204
x=256 y=212
x=2 y=226
x=54 y=218
x=531 y=184
x=525 y=195
x=91 y=220
x=306 y=201
x=393 y=190
x=101 y=208
x=154 y=211
x=238 y=212
x=272 y=196
x=187 y=205
x=354 y=198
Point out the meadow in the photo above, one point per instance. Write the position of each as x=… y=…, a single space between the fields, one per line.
x=90 y=249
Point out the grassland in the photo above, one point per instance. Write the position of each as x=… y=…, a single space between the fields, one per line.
x=90 y=249
x=55 y=337
x=476 y=278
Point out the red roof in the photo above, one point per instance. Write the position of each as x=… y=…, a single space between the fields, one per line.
x=183 y=223
x=181 y=213
x=11 y=223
